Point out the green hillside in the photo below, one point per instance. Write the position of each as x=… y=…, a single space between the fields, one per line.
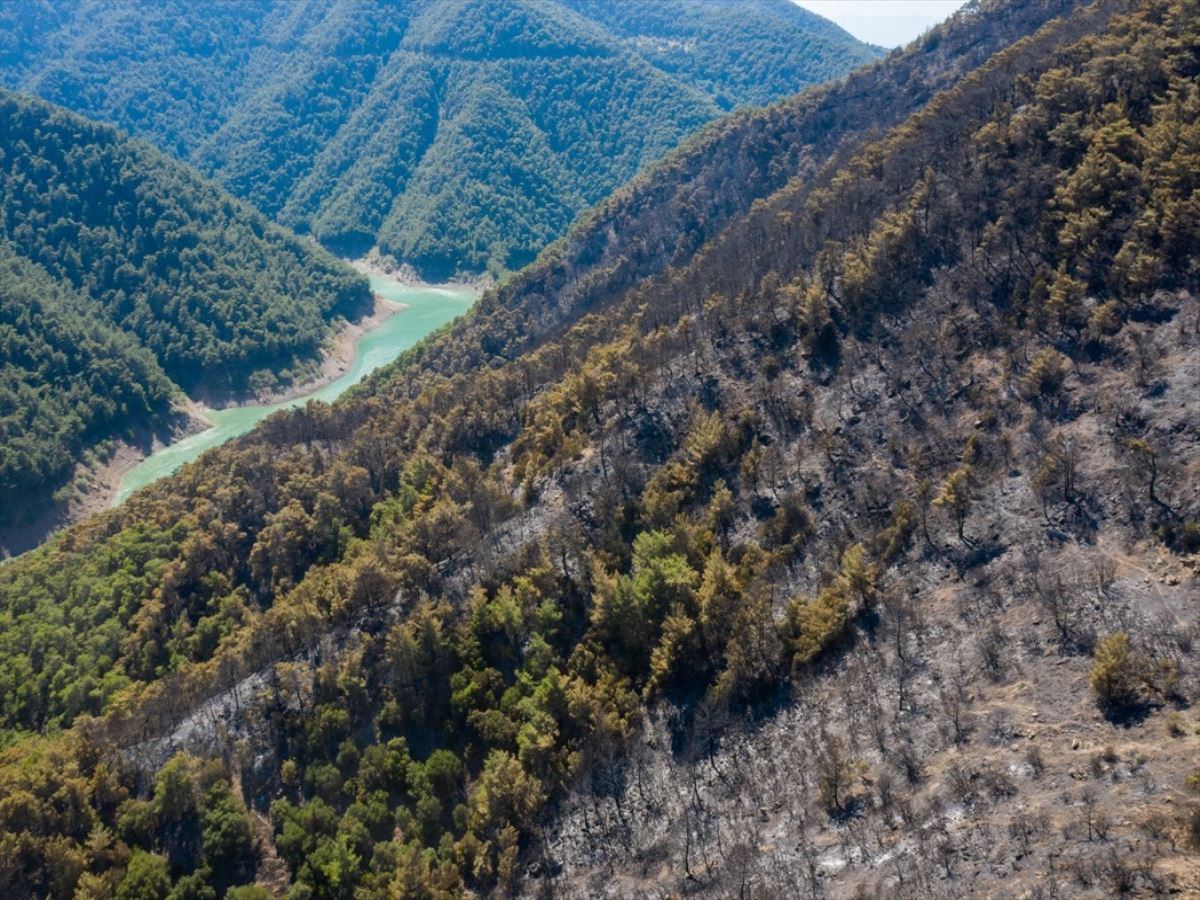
x=737 y=53
x=163 y=271
x=207 y=284
x=409 y=126
x=68 y=379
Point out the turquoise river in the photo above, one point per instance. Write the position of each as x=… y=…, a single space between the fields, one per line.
x=428 y=309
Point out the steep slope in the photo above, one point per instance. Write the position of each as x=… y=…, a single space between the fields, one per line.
x=878 y=453
x=170 y=257
x=341 y=118
x=67 y=379
x=649 y=229
x=98 y=58
x=221 y=298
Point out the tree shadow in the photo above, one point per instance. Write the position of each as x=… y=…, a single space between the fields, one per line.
x=852 y=808
x=1128 y=715
x=979 y=553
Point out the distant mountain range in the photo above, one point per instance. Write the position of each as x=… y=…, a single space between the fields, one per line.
x=458 y=136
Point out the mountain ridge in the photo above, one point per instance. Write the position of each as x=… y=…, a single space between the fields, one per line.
x=277 y=138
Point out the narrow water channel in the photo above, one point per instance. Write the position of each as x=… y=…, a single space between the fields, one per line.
x=428 y=309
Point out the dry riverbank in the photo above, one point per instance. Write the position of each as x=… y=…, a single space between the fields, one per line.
x=386 y=267
x=336 y=359
x=94 y=487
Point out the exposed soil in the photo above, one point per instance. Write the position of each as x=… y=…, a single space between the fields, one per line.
x=995 y=772
x=97 y=486
x=375 y=263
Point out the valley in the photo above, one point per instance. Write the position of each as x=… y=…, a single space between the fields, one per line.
x=411 y=314
x=404 y=315
x=459 y=136
x=127 y=283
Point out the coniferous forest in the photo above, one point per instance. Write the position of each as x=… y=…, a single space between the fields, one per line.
x=127 y=278
x=453 y=137
x=205 y=283
x=69 y=377
x=819 y=516
x=459 y=136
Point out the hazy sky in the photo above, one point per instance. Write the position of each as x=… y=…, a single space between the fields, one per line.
x=888 y=23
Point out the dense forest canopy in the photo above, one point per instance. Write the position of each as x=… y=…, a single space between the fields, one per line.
x=809 y=420
x=732 y=51
x=456 y=135
x=67 y=378
x=206 y=283
x=123 y=269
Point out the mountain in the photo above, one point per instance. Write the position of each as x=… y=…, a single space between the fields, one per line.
x=739 y=54
x=123 y=269
x=456 y=136
x=818 y=517
x=69 y=379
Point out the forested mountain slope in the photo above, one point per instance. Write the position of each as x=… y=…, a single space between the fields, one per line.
x=734 y=52
x=457 y=135
x=67 y=378
x=124 y=268
x=892 y=454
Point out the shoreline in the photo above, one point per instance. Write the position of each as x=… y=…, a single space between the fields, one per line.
x=386 y=267
x=191 y=414
x=337 y=356
x=106 y=478
x=99 y=485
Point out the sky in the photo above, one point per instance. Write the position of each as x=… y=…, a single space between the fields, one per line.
x=888 y=23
